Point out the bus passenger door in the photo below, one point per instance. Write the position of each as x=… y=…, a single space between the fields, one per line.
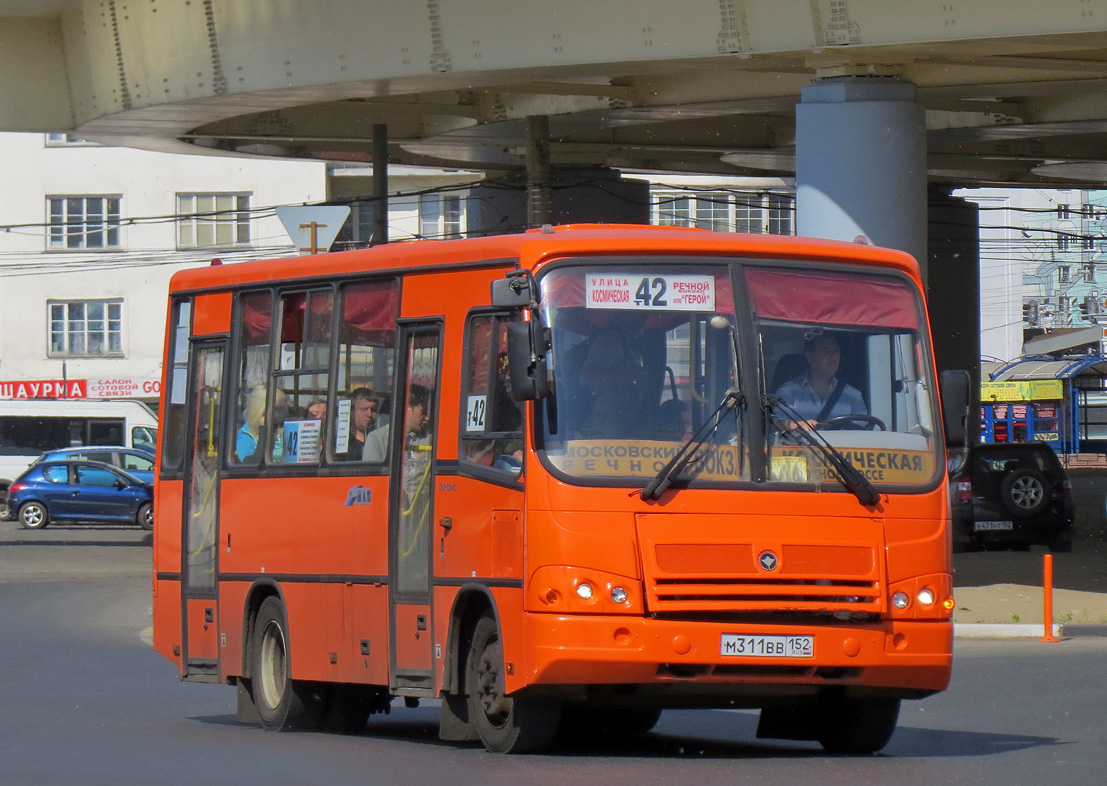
x=200 y=532
x=411 y=514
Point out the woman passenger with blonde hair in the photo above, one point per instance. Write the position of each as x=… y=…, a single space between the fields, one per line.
x=253 y=429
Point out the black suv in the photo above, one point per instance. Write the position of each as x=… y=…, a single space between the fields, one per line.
x=1012 y=495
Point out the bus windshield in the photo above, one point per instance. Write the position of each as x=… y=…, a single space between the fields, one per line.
x=644 y=354
x=843 y=354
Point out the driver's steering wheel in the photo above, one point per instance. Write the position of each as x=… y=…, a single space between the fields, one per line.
x=858 y=421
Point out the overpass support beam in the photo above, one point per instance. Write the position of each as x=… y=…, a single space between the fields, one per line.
x=861 y=163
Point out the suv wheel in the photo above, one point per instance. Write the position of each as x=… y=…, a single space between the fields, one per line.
x=1025 y=493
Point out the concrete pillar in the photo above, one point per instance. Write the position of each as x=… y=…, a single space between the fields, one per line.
x=953 y=286
x=576 y=195
x=861 y=163
x=380 y=184
x=539 y=203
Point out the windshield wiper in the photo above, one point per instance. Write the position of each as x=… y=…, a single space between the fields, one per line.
x=851 y=477
x=732 y=399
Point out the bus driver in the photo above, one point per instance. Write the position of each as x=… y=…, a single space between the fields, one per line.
x=818 y=395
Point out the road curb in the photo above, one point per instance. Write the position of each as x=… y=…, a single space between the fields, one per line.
x=1005 y=630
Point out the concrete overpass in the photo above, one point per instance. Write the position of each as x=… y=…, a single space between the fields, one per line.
x=1014 y=91
x=869 y=103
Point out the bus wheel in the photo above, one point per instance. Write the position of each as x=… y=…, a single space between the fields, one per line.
x=33 y=515
x=506 y=724
x=857 y=726
x=282 y=702
x=145 y=517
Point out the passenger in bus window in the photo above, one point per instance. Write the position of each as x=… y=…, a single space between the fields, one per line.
x=316 y=409
x=254 y=432
x=246 y=443
x=363 y=418
x=818 y=395
x=612 y=373
x=416 y=419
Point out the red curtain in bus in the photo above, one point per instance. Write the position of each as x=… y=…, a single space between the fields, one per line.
x=369 y=314
x=817 y=298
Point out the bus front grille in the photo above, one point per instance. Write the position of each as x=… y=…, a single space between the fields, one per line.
x=667 y=595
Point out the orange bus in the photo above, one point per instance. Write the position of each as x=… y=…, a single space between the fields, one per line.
x=558 y=480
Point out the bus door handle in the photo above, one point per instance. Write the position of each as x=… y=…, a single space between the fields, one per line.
x=447 y=524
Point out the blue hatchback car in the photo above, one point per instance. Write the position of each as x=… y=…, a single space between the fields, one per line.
x=80 y=491
x=136 y=461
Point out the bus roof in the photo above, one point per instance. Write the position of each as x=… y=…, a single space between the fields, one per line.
x=536 y=246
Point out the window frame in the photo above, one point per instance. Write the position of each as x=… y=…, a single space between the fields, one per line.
x=276 y=373
x=442 y=222
x=59 y=232
x=68 y=320
x=500 y=318
x=761 y=213
x=197 y=220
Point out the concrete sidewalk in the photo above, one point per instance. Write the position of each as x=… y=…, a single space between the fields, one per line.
x=1001 y=593
x=1017 y=610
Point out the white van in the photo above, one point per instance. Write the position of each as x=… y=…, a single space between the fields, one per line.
x=28 y=427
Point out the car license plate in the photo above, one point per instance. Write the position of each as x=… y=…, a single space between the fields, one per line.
x=990 y=526
x=768 y=646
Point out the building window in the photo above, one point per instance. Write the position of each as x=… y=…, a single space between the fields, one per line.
x=440 y=216
x=713 y=211
x=66 y=140
x=724 y=211
x=674 y=211
x=83 y=222
x=213 y=220
x=781 y=211
x=86 y=328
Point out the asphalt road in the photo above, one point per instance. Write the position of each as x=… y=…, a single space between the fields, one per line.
x=86 y=701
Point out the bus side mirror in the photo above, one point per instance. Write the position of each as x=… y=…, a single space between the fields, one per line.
x=512 y=292
x=526 y=361
x=957 y=406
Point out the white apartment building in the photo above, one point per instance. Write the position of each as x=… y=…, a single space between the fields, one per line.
x=1041 y=264
x=89 y=237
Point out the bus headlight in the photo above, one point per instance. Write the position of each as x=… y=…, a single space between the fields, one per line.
x=901 y=600
x=565 y=589
x=925 y=597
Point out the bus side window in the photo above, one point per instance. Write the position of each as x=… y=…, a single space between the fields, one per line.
x=366 y=360
x=491 y=431
x=302 y=377
x=255 y=319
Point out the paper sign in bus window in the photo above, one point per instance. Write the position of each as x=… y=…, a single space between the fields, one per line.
x=301 y=441
x=641 y=292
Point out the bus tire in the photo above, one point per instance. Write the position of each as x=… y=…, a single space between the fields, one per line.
x=33 y=515
x=505 y=724
x=857 y=726
x=145 y=516
x=282 y=702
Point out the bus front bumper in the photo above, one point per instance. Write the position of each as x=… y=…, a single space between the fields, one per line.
x=571 y=654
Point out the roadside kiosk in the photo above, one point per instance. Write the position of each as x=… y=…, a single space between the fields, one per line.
x=1059 y=401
